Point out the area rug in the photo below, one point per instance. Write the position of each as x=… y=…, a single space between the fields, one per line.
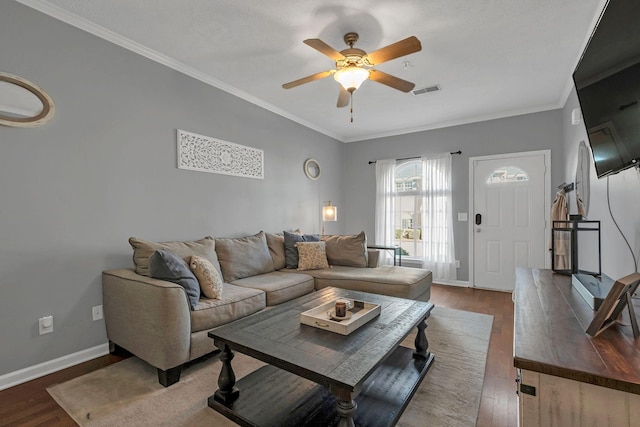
x=127 y=393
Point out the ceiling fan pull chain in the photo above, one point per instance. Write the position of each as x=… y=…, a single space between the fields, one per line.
x=351 y=108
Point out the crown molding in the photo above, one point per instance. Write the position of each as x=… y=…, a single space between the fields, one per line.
x=117 y=39
x=460 y=122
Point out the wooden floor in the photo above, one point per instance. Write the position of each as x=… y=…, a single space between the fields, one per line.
x=498 y=404
x=29 y=404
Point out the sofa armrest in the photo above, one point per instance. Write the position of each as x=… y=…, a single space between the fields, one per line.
x=150 y=318
x=373 y=258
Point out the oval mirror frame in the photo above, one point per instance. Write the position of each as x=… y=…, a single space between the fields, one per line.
x=582 y=179
x=39 y=119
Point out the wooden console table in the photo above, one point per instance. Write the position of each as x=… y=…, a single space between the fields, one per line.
x=566 y=377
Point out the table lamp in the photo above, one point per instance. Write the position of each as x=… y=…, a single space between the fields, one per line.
x=329 y=213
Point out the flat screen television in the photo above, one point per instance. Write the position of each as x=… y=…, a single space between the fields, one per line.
x=607 y=81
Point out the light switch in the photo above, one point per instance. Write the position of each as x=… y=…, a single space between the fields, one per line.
x=462 y=216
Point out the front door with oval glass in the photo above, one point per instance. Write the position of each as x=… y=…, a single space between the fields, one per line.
x=510 y=218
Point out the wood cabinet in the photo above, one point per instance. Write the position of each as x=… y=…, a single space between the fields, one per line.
x=567 y=378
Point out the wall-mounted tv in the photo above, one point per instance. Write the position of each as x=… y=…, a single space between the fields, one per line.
x=607 y=81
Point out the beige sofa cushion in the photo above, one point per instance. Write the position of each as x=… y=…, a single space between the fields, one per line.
x=236 y=302
x=280 y=286
x=395 y=281
x=347 y=250
x=243 y=256
x=143 y=249
x=275 y=242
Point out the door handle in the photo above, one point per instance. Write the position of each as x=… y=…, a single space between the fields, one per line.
x=478 y=219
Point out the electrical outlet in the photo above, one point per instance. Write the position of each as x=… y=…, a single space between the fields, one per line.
x=46 y=325
x=97 y=312
x=457 y=263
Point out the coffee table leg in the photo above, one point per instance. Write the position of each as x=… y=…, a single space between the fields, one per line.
x=421 y=341
x=227 y=393
x=346 y=409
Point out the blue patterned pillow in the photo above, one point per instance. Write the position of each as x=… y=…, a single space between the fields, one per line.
x=290 y=250
x=165 y=265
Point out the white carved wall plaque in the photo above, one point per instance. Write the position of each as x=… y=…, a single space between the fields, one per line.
x=206 y=154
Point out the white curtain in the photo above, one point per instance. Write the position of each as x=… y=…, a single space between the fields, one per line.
x=385 y=207
x=437 y=217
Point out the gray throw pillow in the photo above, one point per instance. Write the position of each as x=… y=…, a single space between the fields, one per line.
x=290 y=250
x=275 y=242
x=276 y=248
x=143 y=249
x=243 y=256
x=348 y=250
x=165 y=265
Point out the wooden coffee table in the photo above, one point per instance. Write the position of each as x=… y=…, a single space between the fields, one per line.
x=315 y=377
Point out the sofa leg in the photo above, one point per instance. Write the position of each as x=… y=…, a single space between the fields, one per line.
x=116 y=350
x=170 y=376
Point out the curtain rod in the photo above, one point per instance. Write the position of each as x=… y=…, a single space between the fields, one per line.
x=415 y=157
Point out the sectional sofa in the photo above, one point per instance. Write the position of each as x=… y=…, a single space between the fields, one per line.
x=165 y=324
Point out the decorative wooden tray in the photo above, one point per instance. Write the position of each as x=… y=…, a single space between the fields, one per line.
x=320 y=317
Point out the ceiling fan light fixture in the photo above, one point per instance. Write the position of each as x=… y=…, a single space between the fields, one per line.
x=351 y=77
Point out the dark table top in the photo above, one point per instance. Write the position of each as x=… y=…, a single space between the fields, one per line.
x=549 y=335
x=276 y=336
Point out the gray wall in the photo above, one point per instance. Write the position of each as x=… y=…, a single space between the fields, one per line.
x=104 y=169
x=624 y=196
x=529 y=132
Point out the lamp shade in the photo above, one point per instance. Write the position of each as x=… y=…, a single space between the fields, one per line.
x=329 y=213
x=351 y=77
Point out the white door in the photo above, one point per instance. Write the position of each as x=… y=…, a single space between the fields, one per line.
x=510 y=209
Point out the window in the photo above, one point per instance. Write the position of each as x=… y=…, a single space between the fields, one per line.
x=507 y=174
x=408 y=203
x=413 y=211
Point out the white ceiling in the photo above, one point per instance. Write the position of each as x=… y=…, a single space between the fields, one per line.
x=492 y=58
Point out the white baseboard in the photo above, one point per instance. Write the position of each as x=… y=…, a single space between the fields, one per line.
x=36 y=371
x=453 y=283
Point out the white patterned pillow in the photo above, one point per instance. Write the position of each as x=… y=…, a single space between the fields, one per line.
x=312 y=255
x=208 y=277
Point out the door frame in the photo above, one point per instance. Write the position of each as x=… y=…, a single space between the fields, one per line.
x=547 y=204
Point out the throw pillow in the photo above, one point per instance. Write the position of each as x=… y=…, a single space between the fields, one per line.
x=276 y=248
x=290 y=250
x=244 y=256
x=311 y=256
x=208 y=277
x=347 y=250
x=275 y=242
x=143 y=249
x=165 y=265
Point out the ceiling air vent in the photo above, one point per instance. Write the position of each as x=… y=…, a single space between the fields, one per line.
x=428 y=89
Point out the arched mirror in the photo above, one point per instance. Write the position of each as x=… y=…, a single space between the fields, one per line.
x=23 y=104
x=582 y=179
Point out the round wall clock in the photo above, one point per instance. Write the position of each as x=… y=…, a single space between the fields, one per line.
x=312 y=169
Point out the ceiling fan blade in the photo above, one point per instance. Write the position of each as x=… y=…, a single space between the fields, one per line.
x=395 y=50
x=324 y=48
x=391 y=81
x=308 y=79
x=343 y=97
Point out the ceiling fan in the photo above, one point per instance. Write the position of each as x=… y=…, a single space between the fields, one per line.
x=353 y=66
